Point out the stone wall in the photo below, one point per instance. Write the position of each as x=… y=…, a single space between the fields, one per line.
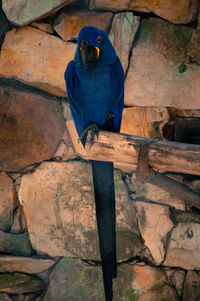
x=48 y=238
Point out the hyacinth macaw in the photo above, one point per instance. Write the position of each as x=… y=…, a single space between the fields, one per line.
x=95 y=89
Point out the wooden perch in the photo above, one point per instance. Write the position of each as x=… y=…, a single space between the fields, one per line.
x=145 y=173
x=160 y=155
x=164 y=156
x=127 y=151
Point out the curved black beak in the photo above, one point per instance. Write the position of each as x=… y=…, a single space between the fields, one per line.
x=89 y=54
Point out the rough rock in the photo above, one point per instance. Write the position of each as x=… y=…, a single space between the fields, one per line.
x=17 y=244
x=194 y=184
x=66 y=110
x=68 y=24
x=164 y=67
x=183 y=247
x=43 y=26
x=21 y=264
x=36 y=58
x=18 y=283
x=185 y=217
x=19 y=221
x=65 y=150
x=73 y=280
x=154 y=224
x=178 y=279
x=181 y=11
x=122 y=34
x=150 y=284
x=31 y=121
x=59 y=207
x=7 y=201
x=4 y=297
x=191 y=289
x=16 y=225
x=144 y=121
x=135 y=282
x=23 y=12
x=149 y=192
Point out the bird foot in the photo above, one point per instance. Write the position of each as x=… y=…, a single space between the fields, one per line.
x=110 y=115
x=94 y=131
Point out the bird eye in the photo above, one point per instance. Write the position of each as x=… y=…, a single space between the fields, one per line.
x=99 y=39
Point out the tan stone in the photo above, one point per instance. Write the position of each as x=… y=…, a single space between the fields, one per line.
x=191 y=290
x=183 y=247
x=134 y=282
x=19 y=221
x=7 y=201
x=161 y=72
x=23 y=12
x=150 y=284
x=59 y=207
x=17 y=244
x=21 y=264
x=68 y=24
x=144 y=121
x=43 y=26
x=36 y=58
x=184 y=217
x=65 y=151
x=181 y=11
x=147 y=191
x=18 y=283
x=124 y=28
x=31 y=126
x=80 y=280
x=194 y=184
x=66 y=110
x=178 y=279
x=154 y=224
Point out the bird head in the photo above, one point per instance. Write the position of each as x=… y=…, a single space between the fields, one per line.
x=94 y=48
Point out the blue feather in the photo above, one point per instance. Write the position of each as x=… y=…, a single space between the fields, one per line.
x=93 y=93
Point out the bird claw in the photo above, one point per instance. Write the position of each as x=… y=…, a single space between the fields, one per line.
x=94 y=131
x=110 y=115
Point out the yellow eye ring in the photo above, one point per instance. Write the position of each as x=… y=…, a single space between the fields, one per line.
x=99 y=39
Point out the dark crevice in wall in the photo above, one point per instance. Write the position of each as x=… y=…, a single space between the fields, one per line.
x=79 y=5
x=4 y=25
x=185 y=130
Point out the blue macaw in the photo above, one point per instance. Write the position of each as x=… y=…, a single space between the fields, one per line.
x=95 y=89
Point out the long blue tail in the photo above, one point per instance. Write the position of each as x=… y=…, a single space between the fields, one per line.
x=105 y=213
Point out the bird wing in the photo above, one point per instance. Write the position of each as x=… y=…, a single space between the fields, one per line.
x=117 y=84
x=74 y=96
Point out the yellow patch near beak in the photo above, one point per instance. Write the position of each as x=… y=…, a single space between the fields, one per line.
x=98 y=51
